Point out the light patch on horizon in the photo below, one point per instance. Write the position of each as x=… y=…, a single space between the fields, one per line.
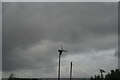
x=84 y=65
x=90 y=63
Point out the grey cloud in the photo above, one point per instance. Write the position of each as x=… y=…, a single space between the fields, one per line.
x=34 y=57
x=60 y=21
x=79 y=26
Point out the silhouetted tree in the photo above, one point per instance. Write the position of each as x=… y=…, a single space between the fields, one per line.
x=113 y=75
x=11 y=77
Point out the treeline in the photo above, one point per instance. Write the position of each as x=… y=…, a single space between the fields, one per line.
x=113 y=75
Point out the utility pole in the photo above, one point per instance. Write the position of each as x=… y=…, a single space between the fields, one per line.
x=60 y=53
x=71 y=71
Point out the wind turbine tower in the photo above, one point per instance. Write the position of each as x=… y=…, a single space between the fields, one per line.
x=60 y=53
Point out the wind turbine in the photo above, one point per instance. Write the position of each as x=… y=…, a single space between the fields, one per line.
x=60 y=53
x=61 y=50
x=101 y=72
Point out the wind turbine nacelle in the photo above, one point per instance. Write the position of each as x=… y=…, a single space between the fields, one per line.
x=60 y=51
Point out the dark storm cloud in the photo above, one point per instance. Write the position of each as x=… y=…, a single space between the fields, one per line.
x=79 y=26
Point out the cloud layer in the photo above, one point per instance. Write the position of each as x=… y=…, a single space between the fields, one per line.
x=33 y=32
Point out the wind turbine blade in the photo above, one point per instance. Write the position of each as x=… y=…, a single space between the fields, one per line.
x=101 y=70
x=65 y=51
x=61 y=47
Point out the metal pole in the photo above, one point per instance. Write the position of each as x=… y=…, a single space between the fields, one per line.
x=101 y=75
x=59 y=68
x=71 y=71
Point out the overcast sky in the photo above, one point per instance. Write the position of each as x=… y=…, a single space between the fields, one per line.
x=33 y=32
